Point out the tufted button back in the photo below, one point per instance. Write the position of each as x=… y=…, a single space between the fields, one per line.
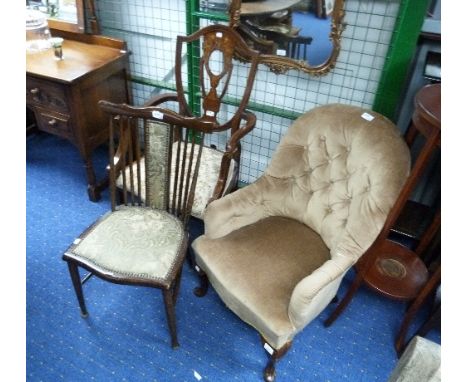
x=347 y=174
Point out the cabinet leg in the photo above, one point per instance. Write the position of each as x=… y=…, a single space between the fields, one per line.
x=94 y=190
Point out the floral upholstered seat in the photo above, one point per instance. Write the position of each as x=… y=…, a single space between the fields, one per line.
x=152 y=237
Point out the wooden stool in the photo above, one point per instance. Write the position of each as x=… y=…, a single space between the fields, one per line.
x=388 y=267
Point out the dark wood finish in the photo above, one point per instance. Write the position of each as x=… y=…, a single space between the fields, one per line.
x=169 y=304
x=124 y=121
x=201 y=290
x=64 y=94
x=75 y=276
x=413 y=221
x=427 y=291
x=433 y=321
x=269 y=373
x=396 y=274
x=387 y=267
x=187 y=132
x=229 y=43
x=92 y=18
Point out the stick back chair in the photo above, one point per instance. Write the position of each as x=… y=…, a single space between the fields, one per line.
x=143 y=239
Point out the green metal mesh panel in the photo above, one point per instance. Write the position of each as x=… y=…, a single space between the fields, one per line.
x=151 y=26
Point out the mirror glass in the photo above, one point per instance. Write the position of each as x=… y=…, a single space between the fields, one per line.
x=301 y=34
x=61 y=14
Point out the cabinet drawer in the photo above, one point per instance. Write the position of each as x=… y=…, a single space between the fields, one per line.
x=46 y=94
x=54 y=123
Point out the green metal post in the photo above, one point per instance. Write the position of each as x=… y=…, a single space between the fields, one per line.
x=400 y=53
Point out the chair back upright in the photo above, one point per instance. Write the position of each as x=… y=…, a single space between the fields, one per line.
x=171 y=170
x=172 y=141
x=219 y=45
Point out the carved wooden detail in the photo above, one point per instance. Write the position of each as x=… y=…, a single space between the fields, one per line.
x=279 y=64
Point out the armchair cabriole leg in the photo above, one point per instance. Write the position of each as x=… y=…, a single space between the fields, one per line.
x=201 y=290
x=269 y=373
x=75 y=276
x=168 y=295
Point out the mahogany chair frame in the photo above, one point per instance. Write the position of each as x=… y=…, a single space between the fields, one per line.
x=230 y=45
x=189 y=130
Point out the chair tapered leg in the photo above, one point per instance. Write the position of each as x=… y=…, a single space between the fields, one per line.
x=269 y=373
x=75 y=276
x=177 y=287
x=201 y=290
x=346 y=300
x=168 y=295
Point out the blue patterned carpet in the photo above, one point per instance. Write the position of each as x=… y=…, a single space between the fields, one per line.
x=125 y=337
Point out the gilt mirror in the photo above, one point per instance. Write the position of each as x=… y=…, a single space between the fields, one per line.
x=291 y=34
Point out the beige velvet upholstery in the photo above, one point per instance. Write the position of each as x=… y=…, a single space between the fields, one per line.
x=320 y=204
x=208 y=176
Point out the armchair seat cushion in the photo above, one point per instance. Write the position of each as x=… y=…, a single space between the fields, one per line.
x=256 y=279
x=137 y=242
x=207 y=178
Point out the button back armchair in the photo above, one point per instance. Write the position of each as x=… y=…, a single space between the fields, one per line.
x=277 y=250
x=143 y=241
x=219 y=169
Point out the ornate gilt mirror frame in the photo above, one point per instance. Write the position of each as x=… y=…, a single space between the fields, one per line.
x=281 y=64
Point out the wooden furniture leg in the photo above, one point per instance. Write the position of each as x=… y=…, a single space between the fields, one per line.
x=201 y=290
x=75 y=276
x=168 y=295
x=269 y=373
x=346 y=299
x=432 y=322
x=430 y=287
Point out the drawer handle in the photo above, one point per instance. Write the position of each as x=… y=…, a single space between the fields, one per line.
x=52 y=122
x=34 y=91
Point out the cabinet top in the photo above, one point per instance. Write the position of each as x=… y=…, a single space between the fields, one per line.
x=79 y=59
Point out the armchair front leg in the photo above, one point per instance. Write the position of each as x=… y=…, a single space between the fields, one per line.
x=201 y=290
x=269 y=373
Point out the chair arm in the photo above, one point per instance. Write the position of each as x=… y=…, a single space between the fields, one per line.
x=161 y=98
x=314 y=292
x=232 y=152
x=238 y=209
x=250 y=121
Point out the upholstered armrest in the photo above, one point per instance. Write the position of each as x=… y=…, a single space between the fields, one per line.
x=236 y=210
x=314 y=292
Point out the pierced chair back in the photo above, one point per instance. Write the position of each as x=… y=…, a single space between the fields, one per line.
x=219 y=167
x=219 y=45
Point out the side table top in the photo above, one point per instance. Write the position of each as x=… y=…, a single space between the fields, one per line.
x=79 y=59
x=427 y=102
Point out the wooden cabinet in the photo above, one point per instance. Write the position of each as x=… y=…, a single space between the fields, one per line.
x=64 y=94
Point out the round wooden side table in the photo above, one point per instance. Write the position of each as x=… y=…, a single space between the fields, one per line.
x=387 y=267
